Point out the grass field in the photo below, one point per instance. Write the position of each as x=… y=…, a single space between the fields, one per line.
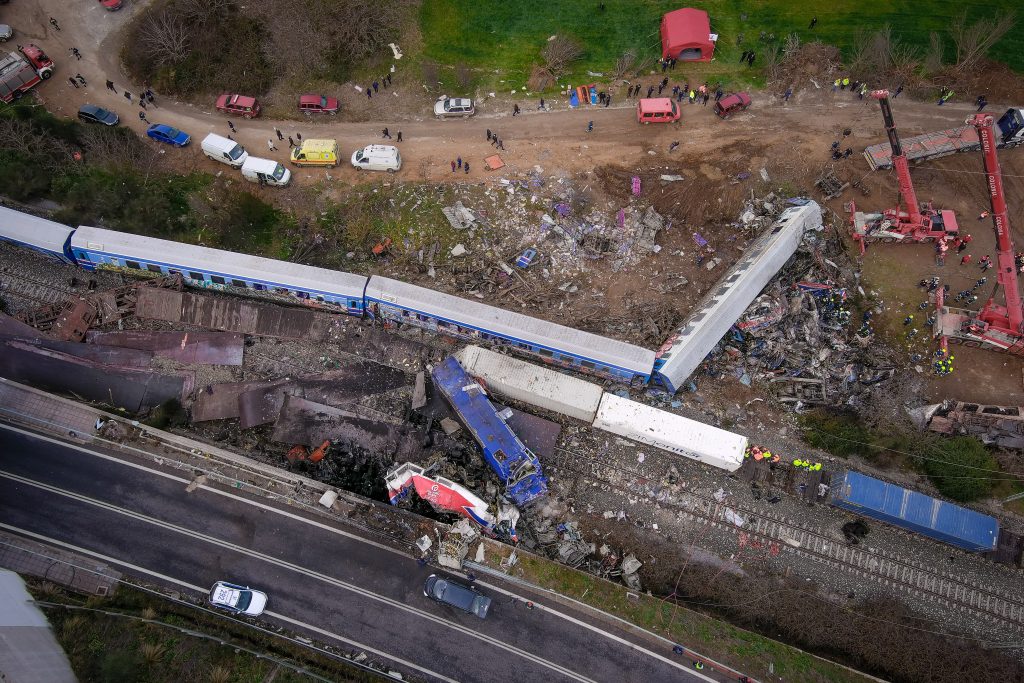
x=506 y=38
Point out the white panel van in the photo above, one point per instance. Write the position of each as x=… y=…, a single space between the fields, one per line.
x=224 y=150
x=377 y=158
x=265 y=172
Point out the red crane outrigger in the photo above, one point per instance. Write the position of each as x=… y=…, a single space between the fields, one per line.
x=994 y=326
x=919 y=223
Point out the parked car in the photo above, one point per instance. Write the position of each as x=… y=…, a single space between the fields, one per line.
x=239 y=105
x=449 y=592
x=90 y=113
x=6 y=33
x=318 y=104
x=453 y=106
x=111 y=5
x=377 y=158
x=238 y=599
x=161 y=132
x=732 y=103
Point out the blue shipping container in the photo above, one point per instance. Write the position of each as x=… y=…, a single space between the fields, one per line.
x=915 y=511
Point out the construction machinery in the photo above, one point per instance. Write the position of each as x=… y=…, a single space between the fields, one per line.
x=995 y=326
x=920 y=222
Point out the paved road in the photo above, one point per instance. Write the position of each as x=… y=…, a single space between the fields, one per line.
x=321 y=580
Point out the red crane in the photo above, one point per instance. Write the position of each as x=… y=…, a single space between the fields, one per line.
x=919 y=223
x=1006 y=318
x=994 y=326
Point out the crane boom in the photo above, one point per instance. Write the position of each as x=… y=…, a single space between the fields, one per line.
x=899 y=159
x=1006 y=276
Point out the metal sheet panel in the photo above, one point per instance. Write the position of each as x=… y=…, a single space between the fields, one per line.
x=227 y=264
x=731 y=296
x=671 y=432
x=209 y=348
x=916 y=512
x=532 y=384
x=35 y=232
x=511 y=325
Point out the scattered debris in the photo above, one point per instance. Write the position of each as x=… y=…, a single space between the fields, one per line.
x=999 y=425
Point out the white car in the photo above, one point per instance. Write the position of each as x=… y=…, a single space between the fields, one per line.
x=238 y=599
x=453 y=106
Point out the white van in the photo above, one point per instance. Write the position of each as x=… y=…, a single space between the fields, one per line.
x=225 y=151
x=265 y=172
x=377 y=158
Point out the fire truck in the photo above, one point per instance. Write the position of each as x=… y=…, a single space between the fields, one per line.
x=22 y=70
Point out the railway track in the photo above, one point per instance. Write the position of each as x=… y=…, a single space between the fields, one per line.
x=33 y=291
x=873 y=563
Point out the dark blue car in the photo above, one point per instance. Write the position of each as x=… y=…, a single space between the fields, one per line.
x=172 y=136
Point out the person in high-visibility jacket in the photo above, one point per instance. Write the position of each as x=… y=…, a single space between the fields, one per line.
x=798 y=463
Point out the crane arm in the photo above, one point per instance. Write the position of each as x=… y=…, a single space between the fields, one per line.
x=899 y=159
x=1006 y=261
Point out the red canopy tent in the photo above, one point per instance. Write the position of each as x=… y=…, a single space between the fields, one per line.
x=686 y=36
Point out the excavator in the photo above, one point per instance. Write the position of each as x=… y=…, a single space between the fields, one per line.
x=995 y=326
x=920 y=222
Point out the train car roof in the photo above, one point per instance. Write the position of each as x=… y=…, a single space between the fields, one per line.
x=29 y=229
x=509 y=324
x=217 y=261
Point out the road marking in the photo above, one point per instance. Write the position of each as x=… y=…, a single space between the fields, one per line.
x=301 y=570
x=204 y=591
x=270 y=508
x=219 y=492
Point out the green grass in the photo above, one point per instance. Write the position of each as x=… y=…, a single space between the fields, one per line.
x=507 y=38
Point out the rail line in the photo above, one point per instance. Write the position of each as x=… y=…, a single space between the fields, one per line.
x=38 y=292
x=873 y=563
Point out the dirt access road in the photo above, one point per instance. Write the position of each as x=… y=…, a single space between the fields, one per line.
x=790 y=140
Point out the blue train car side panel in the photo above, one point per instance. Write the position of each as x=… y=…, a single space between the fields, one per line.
x=937 y=519
x=516 y=465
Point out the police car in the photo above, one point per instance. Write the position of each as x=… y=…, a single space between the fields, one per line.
x=238 y=599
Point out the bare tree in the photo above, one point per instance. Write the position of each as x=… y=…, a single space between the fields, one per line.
x=560 y=53
x=932 y=63
x=973 y=41
x=27 y=139
x=624 y=64
x=167 y=36
x=540 y=78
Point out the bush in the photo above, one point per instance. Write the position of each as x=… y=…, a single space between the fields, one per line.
x=121 y=667
x=841 y=434
x=950 y=466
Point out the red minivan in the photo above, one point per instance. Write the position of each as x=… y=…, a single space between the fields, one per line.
x=659 y=109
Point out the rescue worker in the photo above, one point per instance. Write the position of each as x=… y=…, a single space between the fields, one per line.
x=909 y=319
x=767 y=455
x=798 y=463
x=846 y=83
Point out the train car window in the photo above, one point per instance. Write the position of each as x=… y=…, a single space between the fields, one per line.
x=153 y=269
x=545 y=352
x=172 y=271
x=302 y=295
x=406 y=314
x=218 y=280
x=133 y=264
x=195 y=276
x=588 y=365
x=442 y=323
x=238 y=283
x=81 y=254
x=355 y=305
x=258 y=287
x=282 y=290
x=320 y=299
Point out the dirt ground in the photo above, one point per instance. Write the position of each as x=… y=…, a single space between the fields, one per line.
x=790 y=141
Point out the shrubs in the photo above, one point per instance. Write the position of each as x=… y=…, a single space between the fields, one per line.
x=961 y=467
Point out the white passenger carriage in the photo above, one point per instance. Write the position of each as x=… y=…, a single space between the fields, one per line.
x=217 y=269
x=400 y=302
x=39 y=234
x=723 y=305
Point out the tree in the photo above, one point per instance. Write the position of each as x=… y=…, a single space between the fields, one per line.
x=167 y=36
x=973 y=41
x=960 y=467
x=559 y=53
